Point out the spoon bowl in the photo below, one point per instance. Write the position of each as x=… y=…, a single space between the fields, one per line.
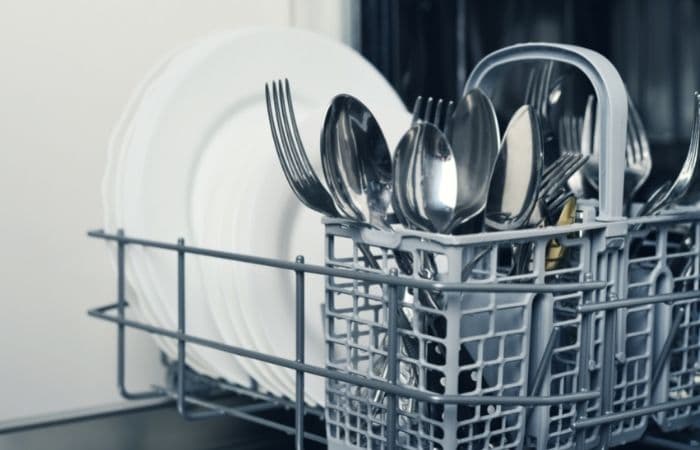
x=356 y=161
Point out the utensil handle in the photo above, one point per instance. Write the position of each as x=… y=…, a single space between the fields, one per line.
x=611 y=116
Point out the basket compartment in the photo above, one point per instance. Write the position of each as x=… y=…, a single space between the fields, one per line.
x=476 y=343
x=667 y=262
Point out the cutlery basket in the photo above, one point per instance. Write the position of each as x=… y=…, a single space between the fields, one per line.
x=666 y=264
x=519 y=336
x=547 y=335
x=575 y=351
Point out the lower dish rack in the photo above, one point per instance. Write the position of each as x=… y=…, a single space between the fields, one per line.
x=577 y=354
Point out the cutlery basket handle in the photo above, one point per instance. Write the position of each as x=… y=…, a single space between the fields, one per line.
x=611 y=114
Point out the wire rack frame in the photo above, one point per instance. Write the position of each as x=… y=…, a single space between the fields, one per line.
x=185 y=401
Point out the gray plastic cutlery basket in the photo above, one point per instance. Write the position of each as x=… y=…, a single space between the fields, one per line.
x=572 y=353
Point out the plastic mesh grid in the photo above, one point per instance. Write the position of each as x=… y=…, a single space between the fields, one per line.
x=666 y=261
x=493 y=353
x=551 y=426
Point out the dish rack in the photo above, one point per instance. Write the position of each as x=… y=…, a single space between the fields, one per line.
x=598 y=334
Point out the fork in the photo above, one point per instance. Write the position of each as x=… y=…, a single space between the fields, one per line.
x=437 y=118
x=301 y=177
x=670 y=194
x=307 y=186
x=551 y=199
x=576 y=134
x=537 y=90
x=637 y=154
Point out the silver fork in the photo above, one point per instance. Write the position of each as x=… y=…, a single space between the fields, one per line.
x=553 y=192
x=302 y=178
x=537 y=90
x=637 y=154
x=668 y=195
x=577 y=134
x=313 y=193
x=551 y=198
x=437 y=118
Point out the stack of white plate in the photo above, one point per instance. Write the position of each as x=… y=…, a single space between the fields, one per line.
x=192 y=157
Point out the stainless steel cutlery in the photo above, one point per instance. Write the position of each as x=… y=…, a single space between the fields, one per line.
x=516 y=180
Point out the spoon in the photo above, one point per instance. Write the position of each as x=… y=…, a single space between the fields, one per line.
x=426 y=183
x=475 y=141
x=356 y=161
x=442 y=181
x=518 y=173
x=358 y=169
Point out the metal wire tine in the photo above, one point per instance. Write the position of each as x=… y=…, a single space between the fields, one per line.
x=307 y=186
x=547 y=172
x=643 y=140
x=281 y=152
x=577 y=132
x=288 y=152
x=634 y=127
x=572 y=168
x=286 y=133
x=565 y=172
x=552 y=169
x=295 y=139
x=531 y=86
x=428 y=109
x=556 y=201
x=570 y=139
x=545 y=77
x=448 y=117
x=417 y=106
x=567 y=142
x=438 y=111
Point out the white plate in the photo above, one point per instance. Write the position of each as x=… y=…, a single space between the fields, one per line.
x=119 y=138
x=213 y=90
x=214 y=201
x=318 y=70
x=147 y=271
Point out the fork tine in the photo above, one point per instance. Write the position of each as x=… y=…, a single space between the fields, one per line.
x=545 y=74
x=563 y=174
x=286 y=133
x=282 y=151
x=551 y=175
x=544 y=97
x=416 y=110
x=448 y=117
x=555 y=165
x=643 y=140
x=531 y=87
x=567 y=172
x=428 y=109
x=556 y=203
x=635 y=124
x=438 y=111
x=308 y=183
x=295 y=139
x=578 y=132
x=283 y=134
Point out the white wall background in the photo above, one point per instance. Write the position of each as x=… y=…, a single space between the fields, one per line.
x=66 y=70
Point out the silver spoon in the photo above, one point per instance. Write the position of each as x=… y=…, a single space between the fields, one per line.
x=440 y=186
x=426 y=181
x=358 y=169
x=475 y=140
x=356 y=161
x=518 y=172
